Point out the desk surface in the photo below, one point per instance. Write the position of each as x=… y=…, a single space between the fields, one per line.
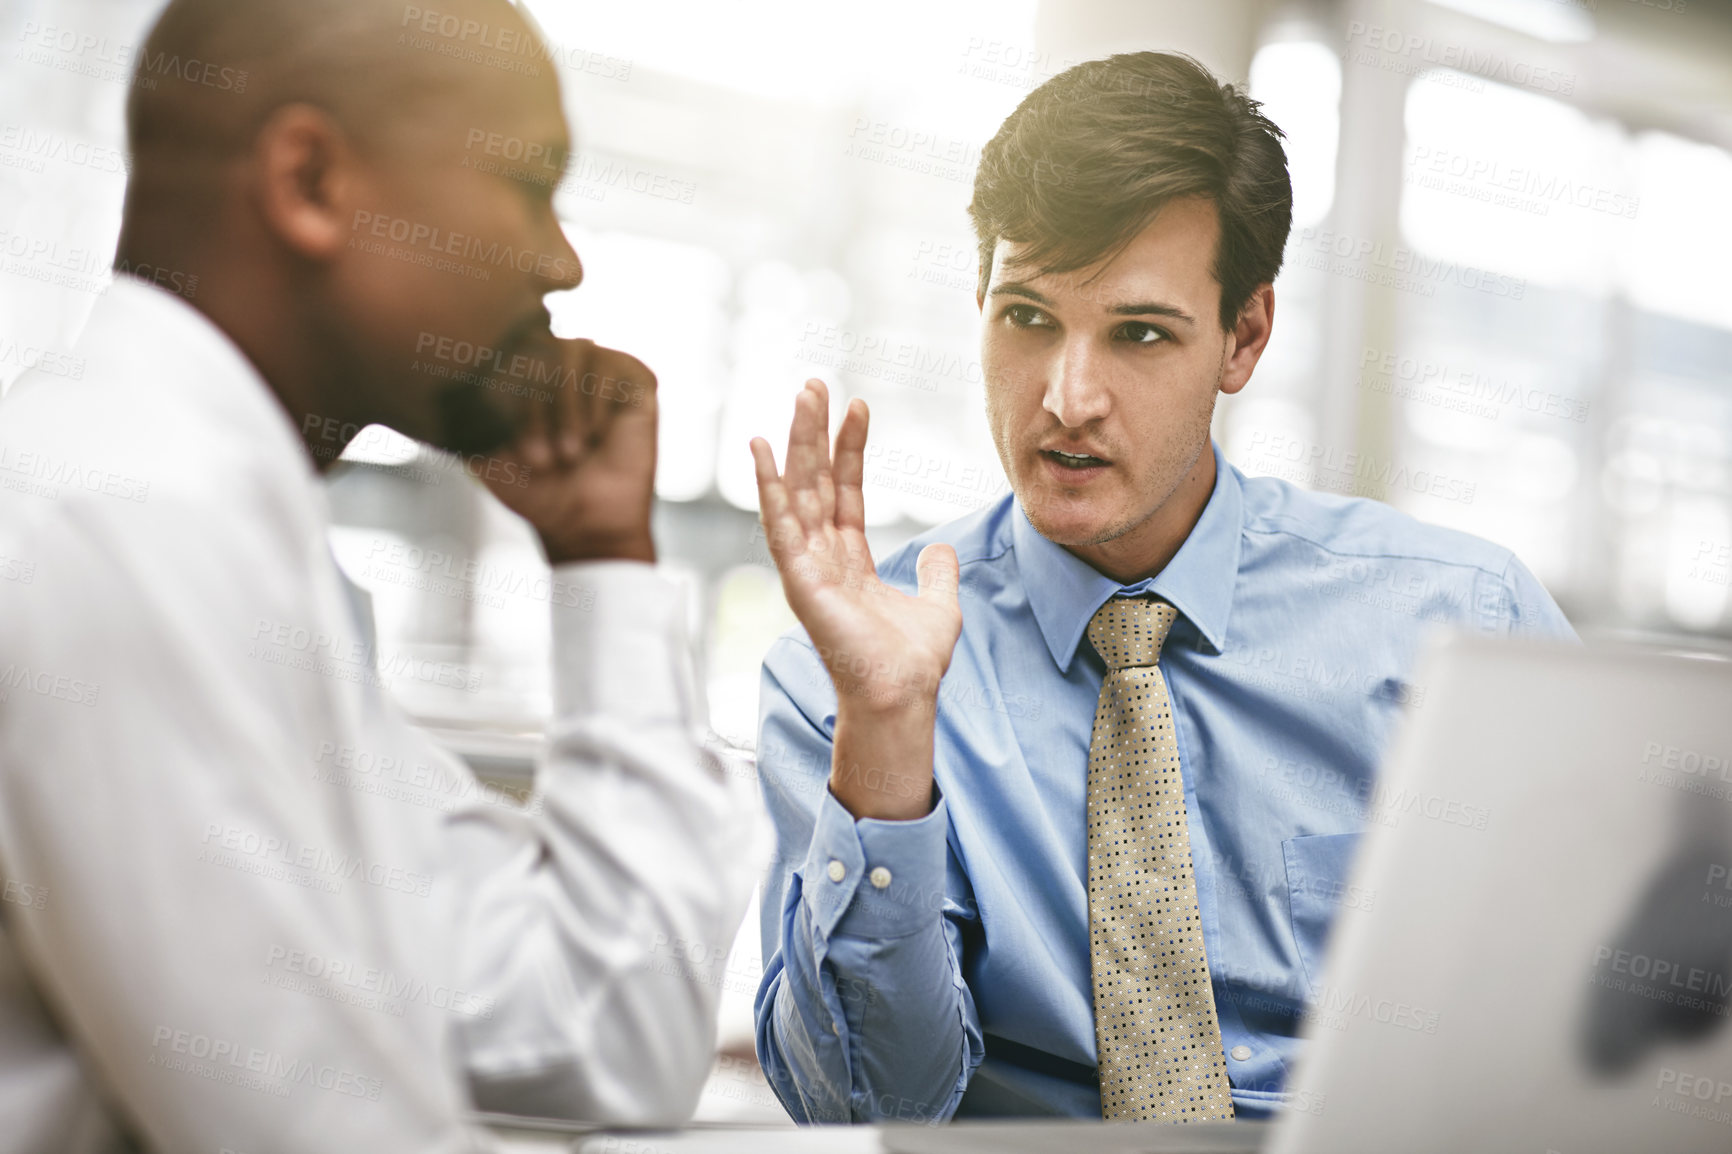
x=1018 y=1137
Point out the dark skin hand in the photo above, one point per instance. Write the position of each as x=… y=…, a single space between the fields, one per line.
x=590 y=454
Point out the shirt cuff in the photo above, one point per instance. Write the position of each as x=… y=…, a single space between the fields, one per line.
x=619 y=644
x=872 y=878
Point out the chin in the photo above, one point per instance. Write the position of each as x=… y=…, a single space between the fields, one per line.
x=469 y=421
x=1069 y=521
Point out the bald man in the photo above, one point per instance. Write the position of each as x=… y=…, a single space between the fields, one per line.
x=248 y=907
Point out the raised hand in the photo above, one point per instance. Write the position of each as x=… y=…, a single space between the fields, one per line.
x=885 y=650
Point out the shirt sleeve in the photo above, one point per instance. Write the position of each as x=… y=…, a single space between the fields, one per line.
x=863 y=1014
x=1524 y=608
x=599 y=943
x=253 y=955
x=155 y=800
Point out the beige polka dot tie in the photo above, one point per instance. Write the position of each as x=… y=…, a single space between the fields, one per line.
x=1155 y=1030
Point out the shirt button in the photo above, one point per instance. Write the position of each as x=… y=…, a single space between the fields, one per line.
x=879 y=878
x=837 y=871
x=1241 y=1053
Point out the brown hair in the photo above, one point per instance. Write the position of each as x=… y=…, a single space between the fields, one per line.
x=1089 y=157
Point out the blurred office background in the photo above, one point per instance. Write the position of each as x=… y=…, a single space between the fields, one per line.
x=1505 y=304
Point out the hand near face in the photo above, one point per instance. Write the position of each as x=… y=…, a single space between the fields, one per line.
x=589 y=452
x=885 y=650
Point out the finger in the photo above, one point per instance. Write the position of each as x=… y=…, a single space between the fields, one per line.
x=826 y=478
x=537 y=441
x=634 y=385
x=532 y=442
x=937 y=573
x=503 y=481
x=551 y=409
x=573 y=422
x=591 y=396
x=808 y=455
x=616 y=397
x=551 y=433
x=850 y=467
x=781 y=527
x=581 y=426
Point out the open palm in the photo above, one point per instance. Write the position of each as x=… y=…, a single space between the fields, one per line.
x=884 y=648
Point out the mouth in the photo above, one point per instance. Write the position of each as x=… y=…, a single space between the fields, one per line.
x=487 y=409
x=1074 y=462
x=535 y=328
x=530 y=340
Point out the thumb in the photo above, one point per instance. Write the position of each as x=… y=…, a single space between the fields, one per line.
x=937 y=572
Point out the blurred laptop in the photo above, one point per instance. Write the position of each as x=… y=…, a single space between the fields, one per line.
x=1548 y=964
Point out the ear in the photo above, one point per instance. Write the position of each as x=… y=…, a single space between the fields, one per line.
x=1250 y=335
x=304 y=173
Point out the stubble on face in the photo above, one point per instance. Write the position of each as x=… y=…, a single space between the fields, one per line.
x=1147 y=411
x=1175 y=459
x=428 y=172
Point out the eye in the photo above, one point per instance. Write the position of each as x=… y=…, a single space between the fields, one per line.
x=1027 y=317
x=1140 y=333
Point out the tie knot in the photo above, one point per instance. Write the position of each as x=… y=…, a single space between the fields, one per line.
x=1129 y=631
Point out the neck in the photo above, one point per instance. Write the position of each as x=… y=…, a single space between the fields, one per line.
x=251 y=302
x=1145 y=550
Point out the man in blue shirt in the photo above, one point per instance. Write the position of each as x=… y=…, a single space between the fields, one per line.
x=925 y=747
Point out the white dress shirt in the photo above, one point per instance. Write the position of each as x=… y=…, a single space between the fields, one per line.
x=218 y=933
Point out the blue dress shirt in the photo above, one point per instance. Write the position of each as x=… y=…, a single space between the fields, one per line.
x=923 y=969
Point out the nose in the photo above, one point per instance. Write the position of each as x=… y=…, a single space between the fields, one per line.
x=1075 y=393
x=563 y=270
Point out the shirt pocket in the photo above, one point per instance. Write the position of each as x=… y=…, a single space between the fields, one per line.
x=1317 y=871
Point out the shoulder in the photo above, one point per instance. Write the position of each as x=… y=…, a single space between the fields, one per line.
x=119 y=446
x=166 y=413
x=1379 y=554
x=979 y=538
x=1278 y=512
x=139 y=499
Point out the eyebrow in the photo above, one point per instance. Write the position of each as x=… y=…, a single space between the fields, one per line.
x=1133 y=309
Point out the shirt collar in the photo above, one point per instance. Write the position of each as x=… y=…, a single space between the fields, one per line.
x=161 y=339
x=1065 y=591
